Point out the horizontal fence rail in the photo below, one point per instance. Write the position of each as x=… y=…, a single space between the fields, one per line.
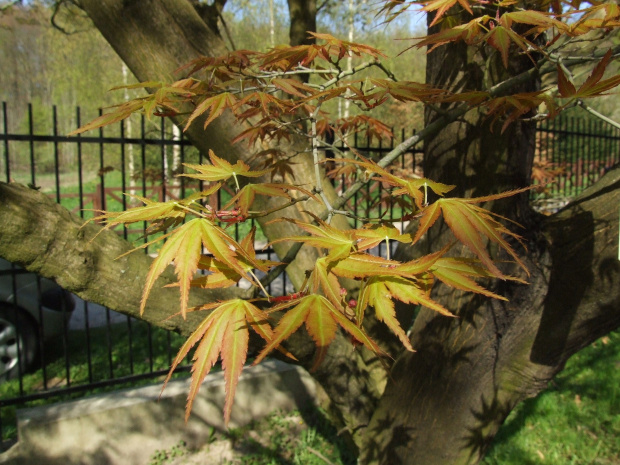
x=93 y=347
x=81 y=347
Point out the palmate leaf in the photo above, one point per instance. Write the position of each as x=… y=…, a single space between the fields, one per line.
x=215 y=105
x=379 y=292
x=184 y=246
x=316 y=311
x=339 y=243
x=222 y=275
x=372 y=236
x=441 y=6
x=322 y=278
x=456 y=272
x=594 y=85
x=119 y=113
x=153 y=211
x=469 y=32
x=414 y=187
x=472 y=225
x=221 y=170
x=223 y=332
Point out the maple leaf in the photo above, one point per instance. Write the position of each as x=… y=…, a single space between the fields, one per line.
x=414 y=187
x=292 y=86
x=542 y=20
x=379 y=293
x=500 y=37
x=408 y=91
x=163 y=214
x=215 y=105
x=372 y=127
x=514 y=106
x=456 y=272
x=441 y=6
x=323 y=278
x=372 y=236
x=470 y=224
x=121 y=112
x=222 y=275
x=593 y=86
x=183 y=248
x=469 y=32
x=321 y=319
x=221 y=170
x=339 y=243
x=224 y=332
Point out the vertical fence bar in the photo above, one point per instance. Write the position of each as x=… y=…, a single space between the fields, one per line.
x=89 y=361
x=33 y=164
x=5 y=130
x=125 y=235
x=56 y=152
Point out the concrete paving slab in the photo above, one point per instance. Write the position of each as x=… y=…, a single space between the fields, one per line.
x=126 y=427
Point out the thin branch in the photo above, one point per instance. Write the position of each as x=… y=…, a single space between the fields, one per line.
x=592 y=111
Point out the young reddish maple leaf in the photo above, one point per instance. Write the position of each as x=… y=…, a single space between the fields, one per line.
x=321 y=319
x=183 y=248
x=471 y=224
x=224 y=332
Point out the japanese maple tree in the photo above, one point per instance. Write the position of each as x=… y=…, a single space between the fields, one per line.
x=430 y=387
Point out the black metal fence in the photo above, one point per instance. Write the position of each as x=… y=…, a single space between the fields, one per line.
x=79 y=347
x=571 y=155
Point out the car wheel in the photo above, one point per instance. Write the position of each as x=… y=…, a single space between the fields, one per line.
x=18 y=342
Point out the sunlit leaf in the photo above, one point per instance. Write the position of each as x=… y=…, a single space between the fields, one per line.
x=300 y=314
x=221 y=170
x=223 y=332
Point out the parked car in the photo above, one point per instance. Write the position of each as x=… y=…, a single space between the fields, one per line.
x=32 y=310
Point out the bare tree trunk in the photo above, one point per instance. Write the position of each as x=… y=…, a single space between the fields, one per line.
x=272 y=25
x=303 y=19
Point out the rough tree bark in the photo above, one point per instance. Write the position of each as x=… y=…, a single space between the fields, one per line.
x=442 y=404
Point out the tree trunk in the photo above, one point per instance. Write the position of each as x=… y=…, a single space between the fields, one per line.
x=303 y=20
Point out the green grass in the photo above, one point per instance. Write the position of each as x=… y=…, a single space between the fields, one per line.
x=576 y=421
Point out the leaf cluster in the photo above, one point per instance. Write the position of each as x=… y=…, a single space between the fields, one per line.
x=264 y=89
x=204 y=255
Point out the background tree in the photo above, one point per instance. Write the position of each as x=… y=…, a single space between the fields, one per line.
x=467 y=373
